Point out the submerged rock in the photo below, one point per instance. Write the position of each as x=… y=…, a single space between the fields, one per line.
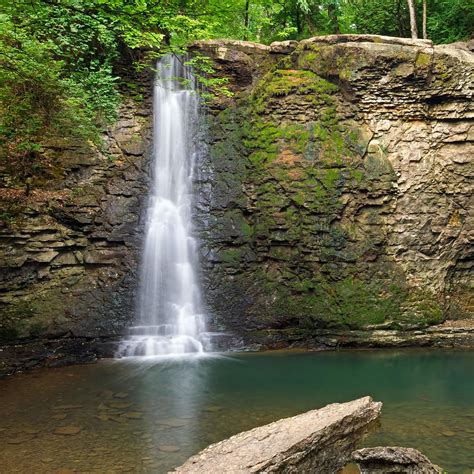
x=317 y=441
x=67 y=430
x=67 y=407
x=213 y=408
x=133 y=415
x=59 y=416
x=17 y=440
x=169 y=448
x=31 y=431
x=382 y=460
x=173 y=422
x=120 y=405
x=121 y=395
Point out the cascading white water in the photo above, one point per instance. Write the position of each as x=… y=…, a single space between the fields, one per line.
x=170 y=319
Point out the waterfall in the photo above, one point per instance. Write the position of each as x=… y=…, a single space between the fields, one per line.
x=170 y=318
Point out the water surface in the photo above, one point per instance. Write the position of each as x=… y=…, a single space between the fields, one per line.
x=149 y=417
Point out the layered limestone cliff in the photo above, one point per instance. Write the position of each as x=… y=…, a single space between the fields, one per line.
x=340 y=187
x=335 y=197
x=69 y=254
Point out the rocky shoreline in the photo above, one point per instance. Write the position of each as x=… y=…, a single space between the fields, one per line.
x=57 y=352
x=442 y=336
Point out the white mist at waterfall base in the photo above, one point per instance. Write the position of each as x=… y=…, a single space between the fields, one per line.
x=170 y=320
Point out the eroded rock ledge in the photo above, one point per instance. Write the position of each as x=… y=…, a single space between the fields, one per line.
x=317 y=441
x=441 y=336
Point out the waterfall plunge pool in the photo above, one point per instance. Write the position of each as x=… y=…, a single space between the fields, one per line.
x=149 y=416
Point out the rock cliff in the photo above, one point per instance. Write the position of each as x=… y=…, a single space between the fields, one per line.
x=335 y=195
x=69 y=254
x=340 y=186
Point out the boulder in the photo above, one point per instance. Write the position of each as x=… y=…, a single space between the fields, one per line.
x=382 y=460
x=316 y=441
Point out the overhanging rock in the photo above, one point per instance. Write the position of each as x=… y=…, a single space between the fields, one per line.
x=317 y=441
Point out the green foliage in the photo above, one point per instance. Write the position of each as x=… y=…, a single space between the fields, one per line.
x=61 y=61
x=276 y=20
x=447 y=20
x=211 y=86
x=450 y=20
x=382 y=17
x=38 y=102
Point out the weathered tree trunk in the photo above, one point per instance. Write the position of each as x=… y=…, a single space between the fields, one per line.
x=332 y=14
x=401 y=24
x=309 y=22
x=246 y=19
x=425 y=34
x=414 y=29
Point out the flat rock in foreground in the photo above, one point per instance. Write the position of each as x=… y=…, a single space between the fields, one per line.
x=318 y=441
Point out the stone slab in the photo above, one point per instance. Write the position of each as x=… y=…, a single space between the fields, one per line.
x=315 y=441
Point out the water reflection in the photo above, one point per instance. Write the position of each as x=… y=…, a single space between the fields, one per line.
x=171 y=392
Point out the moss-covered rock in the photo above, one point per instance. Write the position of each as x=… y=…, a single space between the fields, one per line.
x=315 y=150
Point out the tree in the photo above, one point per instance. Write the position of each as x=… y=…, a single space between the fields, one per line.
x=383 y=17
x=413 y=27
x=332 y=8
x=59 y=72
x=246 y=17
x=451 y=20
x=425 y=34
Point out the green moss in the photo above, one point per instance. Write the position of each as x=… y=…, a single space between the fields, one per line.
x=261 y=138
x=296 y=136
x=329 y=62
x=423 y=60
x=11 y=212
x=299 y=198
x=311 y=57
x=283 y=253
x=331 y=178
x=247 y=230
x=230 y=255
x=345 y=74
x=421 y=308
x=310 y=267
x=283 y=82
x=349 y=303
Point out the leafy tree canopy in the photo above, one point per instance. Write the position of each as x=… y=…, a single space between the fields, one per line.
x=59 y=59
